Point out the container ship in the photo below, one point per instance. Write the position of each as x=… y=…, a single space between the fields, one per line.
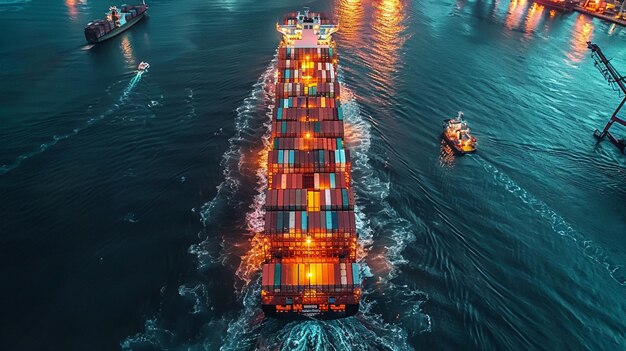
x=116 y=22
x=310 y=235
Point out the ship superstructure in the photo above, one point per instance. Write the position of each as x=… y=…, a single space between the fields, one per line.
x=310 y=235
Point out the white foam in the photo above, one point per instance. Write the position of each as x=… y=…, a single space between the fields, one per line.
x=190 y=102
x=366 y=331
x=152 y=335
x=369 y=187
x=131 y=218
x=255 y=217
x=199 y=294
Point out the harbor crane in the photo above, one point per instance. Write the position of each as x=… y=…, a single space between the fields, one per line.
x=616 y=81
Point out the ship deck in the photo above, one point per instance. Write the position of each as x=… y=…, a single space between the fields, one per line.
x=308 y=40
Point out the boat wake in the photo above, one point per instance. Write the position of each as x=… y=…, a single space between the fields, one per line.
x=559 y=225
x=246 y=328
x=59 y=137
x=191 y=103
x=367 y=330
x=232 y=161
x=131 y=85
x=12 y=5
x=213 y=249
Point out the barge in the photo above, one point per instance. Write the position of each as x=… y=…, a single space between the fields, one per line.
x=116 y=22
x=310 y=235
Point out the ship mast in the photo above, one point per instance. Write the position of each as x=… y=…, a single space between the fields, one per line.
x=616 y=81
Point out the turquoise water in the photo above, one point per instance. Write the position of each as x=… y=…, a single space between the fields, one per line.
x=130 y=201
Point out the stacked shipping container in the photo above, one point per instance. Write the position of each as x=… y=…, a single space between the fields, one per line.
x=310 y=230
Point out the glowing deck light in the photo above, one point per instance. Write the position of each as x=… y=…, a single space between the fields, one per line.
x=307 y=135
x=309 y=275
x=308 y=241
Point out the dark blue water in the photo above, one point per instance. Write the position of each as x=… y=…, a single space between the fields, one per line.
x=129 y=202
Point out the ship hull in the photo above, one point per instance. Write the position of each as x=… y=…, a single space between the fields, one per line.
x=119 y=30
x=309 y=232
x=453 y=145
x=455 y=148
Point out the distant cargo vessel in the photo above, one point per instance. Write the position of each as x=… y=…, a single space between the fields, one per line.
x=116 y=22
x=310 y=235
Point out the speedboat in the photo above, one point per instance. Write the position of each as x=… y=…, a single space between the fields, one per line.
x=143 y=66
x=456 y=133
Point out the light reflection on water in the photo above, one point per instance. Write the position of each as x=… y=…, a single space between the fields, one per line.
x=532 y=18
x=127 y=50
x=72 y=7
x=517 y=8
x=388 y=25
x=581 y=34
x=350 y=14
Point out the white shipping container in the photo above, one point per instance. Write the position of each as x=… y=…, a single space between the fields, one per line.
x=292 y=219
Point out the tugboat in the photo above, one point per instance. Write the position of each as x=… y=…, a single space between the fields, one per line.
x=116 y=22
x=456 y=133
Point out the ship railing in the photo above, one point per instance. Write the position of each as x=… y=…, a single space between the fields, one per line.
x=315 y=254
x=278 y=290
x=314 y=234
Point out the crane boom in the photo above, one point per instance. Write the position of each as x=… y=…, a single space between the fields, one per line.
x=616 y=81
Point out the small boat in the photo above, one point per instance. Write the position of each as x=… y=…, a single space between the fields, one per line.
x=116 y=22
x=143 y=66
x=456 y=133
